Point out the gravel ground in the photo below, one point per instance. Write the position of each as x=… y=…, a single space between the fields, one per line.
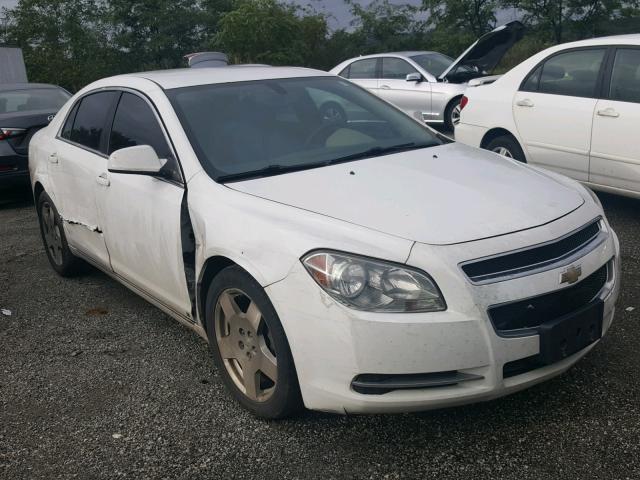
x=96 y=383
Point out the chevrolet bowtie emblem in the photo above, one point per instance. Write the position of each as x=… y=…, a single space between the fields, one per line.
x=571 y=274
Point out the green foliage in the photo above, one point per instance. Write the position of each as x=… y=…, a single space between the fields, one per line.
x=474 y=17
x=73 y=42
x=265 y=31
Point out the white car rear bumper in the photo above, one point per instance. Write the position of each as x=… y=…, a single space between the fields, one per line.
x=471 y=135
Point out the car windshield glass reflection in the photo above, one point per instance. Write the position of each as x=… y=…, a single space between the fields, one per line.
x=267 y=127
x=434 y=63
x=50 y=99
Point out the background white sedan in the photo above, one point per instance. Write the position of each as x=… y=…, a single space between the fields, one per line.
x=573 y=108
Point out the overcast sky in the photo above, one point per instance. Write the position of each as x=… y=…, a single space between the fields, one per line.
x=337 y=9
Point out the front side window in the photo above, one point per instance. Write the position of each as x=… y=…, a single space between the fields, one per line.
x=572 y=73
x=91 y=118
x=33 y=99
x=135 y=124
x=396 y=68
x=268 y=127
x=625 y=77
x=363 y=69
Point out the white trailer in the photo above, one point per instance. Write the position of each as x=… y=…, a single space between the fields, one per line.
x=12 y=68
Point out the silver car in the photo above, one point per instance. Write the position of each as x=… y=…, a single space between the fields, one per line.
x=428 y=85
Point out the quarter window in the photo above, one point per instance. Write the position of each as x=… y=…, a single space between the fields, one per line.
x=396 y=68
x=572 y=73
x=91 y=118
x=135 y=124
x=625 y=77
x=68 y=125
x=363 y=68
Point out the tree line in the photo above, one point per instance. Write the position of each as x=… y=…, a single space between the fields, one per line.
x=73 y=42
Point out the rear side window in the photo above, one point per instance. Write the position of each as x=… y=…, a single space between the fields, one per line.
x=135 y=124
x=625 y=77
x=572 y=73
x=91 y=119
x=396 y=68
x=68 y=125
x=363 y=68
x=531 y=83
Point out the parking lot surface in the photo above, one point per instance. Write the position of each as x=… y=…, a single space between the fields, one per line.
x=96 y=383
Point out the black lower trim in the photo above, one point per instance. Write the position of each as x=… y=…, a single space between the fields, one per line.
x=377 y=384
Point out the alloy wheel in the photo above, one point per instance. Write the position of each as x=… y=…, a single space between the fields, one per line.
x=455 y=114
x=52 y=234
x=505 y=152
x=245 y=345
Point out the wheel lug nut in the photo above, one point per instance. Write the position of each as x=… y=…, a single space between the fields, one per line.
x=241 y=331
x=249 y=334
x=248 y=354
x=241 y=345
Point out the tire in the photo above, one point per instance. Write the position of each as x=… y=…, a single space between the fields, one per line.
x=507 y=146
x=452 y=114
x=245 y=335
x=54 y=240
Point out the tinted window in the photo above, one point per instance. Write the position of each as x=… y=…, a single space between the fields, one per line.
x=363 y=68
x=68 y=125
x=135 y=124
x=625 y=77
x=243 y=128
x=49 y=99
x=91 y=119
x=573 y=73
x=396 y=68
x=531 y=83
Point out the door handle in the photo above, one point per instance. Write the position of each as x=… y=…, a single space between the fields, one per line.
x=103 y=179
x=385 y=87
x=524 y=103
x=608 y=112
x=53 y=158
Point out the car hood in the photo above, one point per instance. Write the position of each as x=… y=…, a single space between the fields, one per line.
x=440 y=195
x=486 y=52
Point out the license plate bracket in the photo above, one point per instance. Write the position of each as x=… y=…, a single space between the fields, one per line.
x=564 y=336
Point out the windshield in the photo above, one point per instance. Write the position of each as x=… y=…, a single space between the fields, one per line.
x=49 y=99
x=266 y=127
x=434 y=63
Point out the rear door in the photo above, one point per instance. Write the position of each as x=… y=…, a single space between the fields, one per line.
x=140 y=215
x=554 y=107
x=364 y=73
x=412 y=97
x=615 y=152
x=76 y=167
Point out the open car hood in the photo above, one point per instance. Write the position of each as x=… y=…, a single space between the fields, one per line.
x=485 y=53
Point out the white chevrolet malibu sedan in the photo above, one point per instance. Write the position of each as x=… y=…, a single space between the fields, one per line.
x=352 y=265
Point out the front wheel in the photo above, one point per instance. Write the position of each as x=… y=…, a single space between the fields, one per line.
x=507 y=146
x=249 y=346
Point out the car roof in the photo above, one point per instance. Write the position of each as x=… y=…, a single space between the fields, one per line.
x=186 y=77
x=629 y=39
x=25 y=86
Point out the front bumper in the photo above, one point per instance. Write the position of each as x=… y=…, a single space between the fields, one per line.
x=332 y=344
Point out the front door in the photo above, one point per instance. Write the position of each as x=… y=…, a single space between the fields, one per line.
x=553 y=111
x=412 y=97
x=140 y=215
x=615 y=154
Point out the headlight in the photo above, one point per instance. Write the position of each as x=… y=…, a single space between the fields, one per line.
x=594 y=196
x=373 y=285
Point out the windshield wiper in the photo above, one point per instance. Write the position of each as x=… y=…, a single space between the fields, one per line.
x=278 y=169
x=377 y=151
x=264 y=172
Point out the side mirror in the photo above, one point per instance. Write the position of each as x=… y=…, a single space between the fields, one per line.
x=414 y=77
x=138 y=160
